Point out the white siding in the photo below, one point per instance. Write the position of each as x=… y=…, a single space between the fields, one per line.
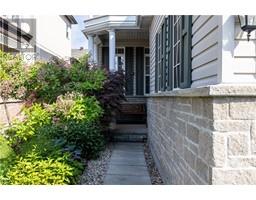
x=244 y=56
x=51 y=36
x=155 y=26
x=205 y=50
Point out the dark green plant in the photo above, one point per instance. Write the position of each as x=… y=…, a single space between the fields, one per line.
x=86 y=136
x=45 y=81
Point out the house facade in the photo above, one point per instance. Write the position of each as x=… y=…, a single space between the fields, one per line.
x=37 y=37
x=195 y=78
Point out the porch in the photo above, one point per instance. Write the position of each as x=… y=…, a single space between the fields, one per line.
x=122 y=43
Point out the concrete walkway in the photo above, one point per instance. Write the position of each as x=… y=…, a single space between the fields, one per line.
x=127 y=165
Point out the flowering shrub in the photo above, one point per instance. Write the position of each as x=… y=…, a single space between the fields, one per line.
x=12 y=76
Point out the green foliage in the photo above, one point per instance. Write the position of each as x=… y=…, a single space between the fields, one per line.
x=46 y=80
x=35 y=117
x=6 y=157
x=74 y=106
x=34 y=169
x=86 y=136
x=12 y=76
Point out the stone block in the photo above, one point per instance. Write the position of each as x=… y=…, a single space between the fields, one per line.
x=193 y=133
x=243 y=108
x=234 y=176
x=231 y=125
x=238 y=144
x=219 y=148
x=220 y=108
x=202 y=169
x=205 y=146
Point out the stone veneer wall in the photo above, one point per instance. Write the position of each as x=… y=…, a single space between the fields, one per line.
x=204 y=136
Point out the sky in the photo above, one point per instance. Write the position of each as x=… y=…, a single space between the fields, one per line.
x=78 y=39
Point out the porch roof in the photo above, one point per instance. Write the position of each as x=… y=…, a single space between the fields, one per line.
x=100 y=24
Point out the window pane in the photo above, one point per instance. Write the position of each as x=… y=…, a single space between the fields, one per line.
x=146 y=50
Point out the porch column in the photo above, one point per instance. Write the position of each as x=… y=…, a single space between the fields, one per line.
x=95 y=55
x=112 y=50
x=91 y=48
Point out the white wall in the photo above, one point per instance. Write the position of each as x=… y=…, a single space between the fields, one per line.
x=51 y=37
x=238 y=56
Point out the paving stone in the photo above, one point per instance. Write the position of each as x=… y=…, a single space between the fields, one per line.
x=128 y=170
x=126 y=180
x=127 y=165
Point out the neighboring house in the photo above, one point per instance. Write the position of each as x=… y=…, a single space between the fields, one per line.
x=48 y=36
x=197 y=76
x=77 y=53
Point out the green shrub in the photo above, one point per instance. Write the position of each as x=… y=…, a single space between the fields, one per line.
x=84 y=135
x=85 y=80
x=46 y=80
x=12 y=76
x=6 y=157
x=35 y=117
x=33 y=169
x=74 y=106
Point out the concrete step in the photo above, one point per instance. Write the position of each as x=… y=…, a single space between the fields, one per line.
x=129 y=133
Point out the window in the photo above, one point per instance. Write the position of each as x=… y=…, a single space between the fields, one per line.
x=173 y=53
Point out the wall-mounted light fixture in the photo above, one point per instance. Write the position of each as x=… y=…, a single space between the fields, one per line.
x=247 y=23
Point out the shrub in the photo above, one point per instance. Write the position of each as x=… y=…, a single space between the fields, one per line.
x=86 y=136
x=74 y=106
x=12 y=76
x=35 y=117
x=6 y=157
x=33 y=169
x=45 y=81
x=85 y=80
x=112 y=93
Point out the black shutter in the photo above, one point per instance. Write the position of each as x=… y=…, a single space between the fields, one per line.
x=185 y=70
x=156 y=63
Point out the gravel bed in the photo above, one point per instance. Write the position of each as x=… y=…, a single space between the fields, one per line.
x=95 y=170
x=153 y=171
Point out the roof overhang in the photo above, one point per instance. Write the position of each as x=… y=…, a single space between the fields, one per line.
x=108 y=22
x=70 y=19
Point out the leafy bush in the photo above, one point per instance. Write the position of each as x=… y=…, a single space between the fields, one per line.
x=45 y=81
x=112 y=93
x=12 y=76
x=84 y=136
x=85 y=80
x=6 y=157
x=74 y=106
x=35 y=117
x=33 y=169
